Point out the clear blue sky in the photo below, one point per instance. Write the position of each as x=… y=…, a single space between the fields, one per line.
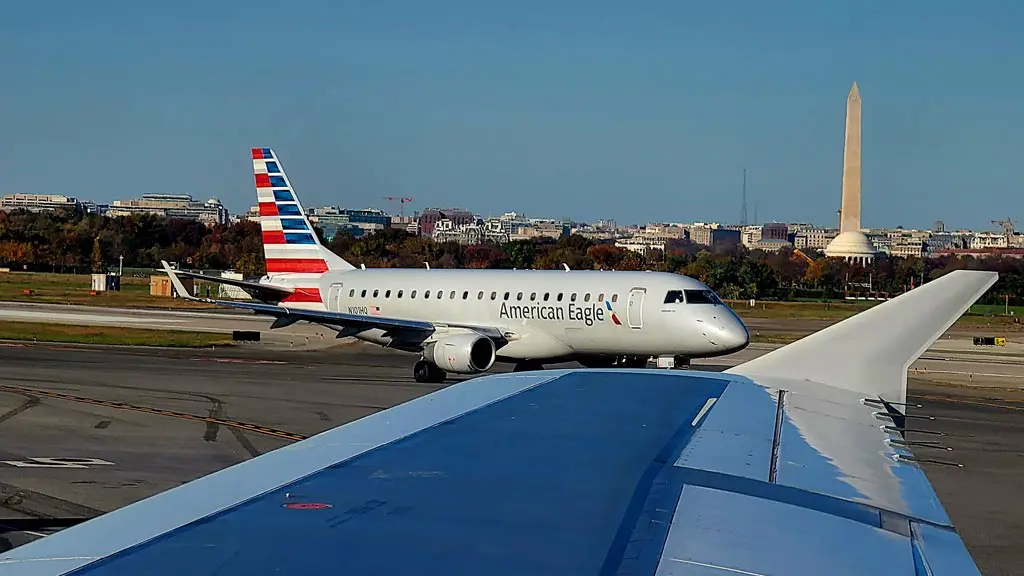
x=635 y=111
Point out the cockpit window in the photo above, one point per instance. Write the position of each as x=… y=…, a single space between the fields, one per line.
x=701 y=297
x=674 y=297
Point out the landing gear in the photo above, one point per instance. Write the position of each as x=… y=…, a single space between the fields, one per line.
x=428 y=372
x=527 y=366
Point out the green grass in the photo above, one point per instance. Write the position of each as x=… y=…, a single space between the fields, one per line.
x=76 y=288
x=110 y=335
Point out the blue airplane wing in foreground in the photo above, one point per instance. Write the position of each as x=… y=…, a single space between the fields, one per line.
x=792 y=463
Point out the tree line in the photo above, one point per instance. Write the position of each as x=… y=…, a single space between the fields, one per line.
x=66 y=241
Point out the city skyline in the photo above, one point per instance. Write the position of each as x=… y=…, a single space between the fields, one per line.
x=607 y=112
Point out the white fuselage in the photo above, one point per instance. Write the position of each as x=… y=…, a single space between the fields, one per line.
x=546 y=314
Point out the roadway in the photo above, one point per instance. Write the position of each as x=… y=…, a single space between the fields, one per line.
x=141 y=421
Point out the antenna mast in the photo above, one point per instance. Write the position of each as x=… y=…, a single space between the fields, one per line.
x=743 y=209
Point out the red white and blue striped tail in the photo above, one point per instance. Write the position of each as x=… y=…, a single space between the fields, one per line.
x=289 y=242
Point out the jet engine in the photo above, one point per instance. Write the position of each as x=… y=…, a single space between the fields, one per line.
x=462 y=353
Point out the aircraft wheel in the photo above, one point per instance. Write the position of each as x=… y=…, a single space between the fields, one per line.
x=527 y=366
x=421 y=371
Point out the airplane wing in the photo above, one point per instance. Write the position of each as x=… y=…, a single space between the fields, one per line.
x=348 y=324
x=780 y=466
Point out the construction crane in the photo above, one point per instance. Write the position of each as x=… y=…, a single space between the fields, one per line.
x=1006 y=225
x=400 y=199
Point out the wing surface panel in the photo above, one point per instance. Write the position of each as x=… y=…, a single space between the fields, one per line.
x=566 y=477
x=734 y=533
x=736 y=436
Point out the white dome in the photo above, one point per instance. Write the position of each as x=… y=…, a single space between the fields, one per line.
x=851 y=244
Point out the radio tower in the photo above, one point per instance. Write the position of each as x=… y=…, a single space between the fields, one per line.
x=743 y=208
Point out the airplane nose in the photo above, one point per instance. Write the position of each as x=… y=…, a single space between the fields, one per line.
x=733 y=335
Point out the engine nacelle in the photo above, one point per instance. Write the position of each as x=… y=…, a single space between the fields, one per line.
x=462 y=353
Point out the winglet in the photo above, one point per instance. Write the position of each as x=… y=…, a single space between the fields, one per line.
x=176 y=282
x=871 y=352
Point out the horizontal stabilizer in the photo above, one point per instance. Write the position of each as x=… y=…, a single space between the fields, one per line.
x=871 y=352
x=264 y=292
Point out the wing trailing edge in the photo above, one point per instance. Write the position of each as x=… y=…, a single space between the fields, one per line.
x=870 y=353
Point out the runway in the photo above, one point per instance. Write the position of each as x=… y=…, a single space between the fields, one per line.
x=141 y=421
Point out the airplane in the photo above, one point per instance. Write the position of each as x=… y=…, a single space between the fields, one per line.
x=463 y=321
x=797 y=462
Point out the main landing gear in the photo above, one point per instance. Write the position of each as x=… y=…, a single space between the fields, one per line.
x=527 y=366
x=428 y=372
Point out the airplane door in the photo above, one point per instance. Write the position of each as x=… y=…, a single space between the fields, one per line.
x=334 y=297
x=635 y=308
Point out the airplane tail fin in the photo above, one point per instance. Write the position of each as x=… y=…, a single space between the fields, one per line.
x=289 y=243
x=871 y=352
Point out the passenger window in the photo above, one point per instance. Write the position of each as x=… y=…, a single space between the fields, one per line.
x=399 y=293
x=426 y=293
x=375 y=292
x=480 y=295
x=465 y=295
x=440 y=294
x=412 y=294
x=546 y=296
x=674 y=297
x=559 y=297
x=363 y=294
x=600 y=297
x=494 y=295
x=452 y=295
x=586 y=297
x=533 y=296
x=615 y=297
x=352 y=293
x=572 y=298
x=519 y=296
x=506 y=295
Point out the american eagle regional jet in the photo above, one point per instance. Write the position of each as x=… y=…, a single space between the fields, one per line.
x=463 y=321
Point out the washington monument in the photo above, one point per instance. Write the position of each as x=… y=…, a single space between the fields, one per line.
x=850 y=212
x=851 y=244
